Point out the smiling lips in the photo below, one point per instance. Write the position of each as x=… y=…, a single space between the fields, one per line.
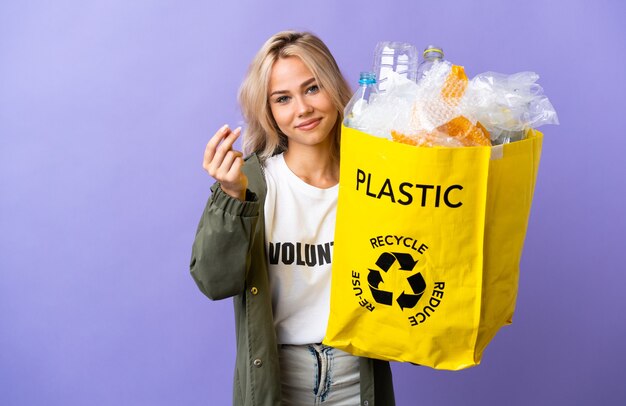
x=309 y=124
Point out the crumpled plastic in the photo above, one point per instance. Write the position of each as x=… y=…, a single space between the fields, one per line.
x=447 y=109
x=508 y=105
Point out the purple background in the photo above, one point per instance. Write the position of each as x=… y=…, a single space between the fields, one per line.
x=105 y=110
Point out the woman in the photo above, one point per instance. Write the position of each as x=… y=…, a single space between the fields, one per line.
x=266 y=234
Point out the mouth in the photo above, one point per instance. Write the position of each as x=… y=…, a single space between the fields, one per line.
x=309 y=124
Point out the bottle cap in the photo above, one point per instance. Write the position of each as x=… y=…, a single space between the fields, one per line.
x=367 y=78
x=433 y=48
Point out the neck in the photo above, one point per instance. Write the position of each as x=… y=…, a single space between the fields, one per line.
x=313 y=164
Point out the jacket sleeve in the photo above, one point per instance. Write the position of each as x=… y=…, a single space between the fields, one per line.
x=221 y=250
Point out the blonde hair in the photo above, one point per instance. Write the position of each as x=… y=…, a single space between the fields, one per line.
x=262 y=135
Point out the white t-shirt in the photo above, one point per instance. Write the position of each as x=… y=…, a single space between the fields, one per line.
x=299 y=233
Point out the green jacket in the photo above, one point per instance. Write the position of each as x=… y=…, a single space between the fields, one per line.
x=229 y=259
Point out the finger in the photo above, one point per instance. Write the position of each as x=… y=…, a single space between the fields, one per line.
x=231 y=138
x=225 y=171
x=211 y=146
x=227 y=143
x=209 y=151
x=235 y=168
x=224 y=147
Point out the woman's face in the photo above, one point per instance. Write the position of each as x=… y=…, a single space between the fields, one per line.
x=303 y=110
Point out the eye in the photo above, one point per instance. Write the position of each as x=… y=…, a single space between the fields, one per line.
x=281 y=99
x=313 y=89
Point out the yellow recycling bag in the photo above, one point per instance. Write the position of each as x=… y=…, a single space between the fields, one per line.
x=427 y=247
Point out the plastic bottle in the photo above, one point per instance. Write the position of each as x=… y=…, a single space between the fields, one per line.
x=432 y=54
x=399 y=57
x=359 y=101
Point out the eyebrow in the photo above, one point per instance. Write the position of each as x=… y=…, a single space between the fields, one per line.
x=304 y=84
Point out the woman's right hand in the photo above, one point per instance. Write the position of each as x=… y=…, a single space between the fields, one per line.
x=224 y=163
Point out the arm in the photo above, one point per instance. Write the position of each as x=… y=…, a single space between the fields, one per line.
x=221 y=250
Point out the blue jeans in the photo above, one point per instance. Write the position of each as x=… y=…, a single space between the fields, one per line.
x=315 y=374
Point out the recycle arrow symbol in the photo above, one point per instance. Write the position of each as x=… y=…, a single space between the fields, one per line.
x=374 y=278
x=381 y=296
x=407 y=263
x=418 y=286
x=387 y=259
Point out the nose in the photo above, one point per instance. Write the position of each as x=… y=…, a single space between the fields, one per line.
x=303 y=106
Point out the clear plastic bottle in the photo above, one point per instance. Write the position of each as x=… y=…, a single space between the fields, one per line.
x=432 y=54
x=359 y=101
x=399 y=57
